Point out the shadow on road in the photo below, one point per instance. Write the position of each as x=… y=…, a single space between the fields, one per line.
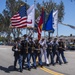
x=7 y=70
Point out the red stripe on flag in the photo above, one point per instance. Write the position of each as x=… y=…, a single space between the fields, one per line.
x=23 y=26
x=19 y=22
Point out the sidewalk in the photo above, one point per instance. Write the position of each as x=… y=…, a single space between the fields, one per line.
x=3 y=46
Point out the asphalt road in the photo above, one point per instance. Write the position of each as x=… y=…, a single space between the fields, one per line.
x=6 y=65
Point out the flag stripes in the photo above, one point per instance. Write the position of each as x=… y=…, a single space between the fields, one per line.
x=40 y=24
x=19 y=20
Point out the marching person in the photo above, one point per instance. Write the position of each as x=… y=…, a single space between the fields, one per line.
x=55 y=50
x=32 y=51
x=49 y=50
x=43 y=50
x=38 y=52
x=17 y=53
x=61 y=50
x=24 y=44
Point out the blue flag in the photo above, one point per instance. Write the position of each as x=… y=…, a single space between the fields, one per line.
x=49 y=24
x=22 y=11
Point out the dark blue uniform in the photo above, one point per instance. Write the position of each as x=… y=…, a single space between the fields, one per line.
x=24 y=49
x=17 y=55
x=31 y=53
x=38 y=52
x=55 y=51
x=61 y=50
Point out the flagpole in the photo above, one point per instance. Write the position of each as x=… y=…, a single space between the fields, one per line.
x=44 y=22
x=57 y=29
x=34 y=16
x=57 y=35
x=52 y=9
x=49 y=31
x=26 y=9
x=44 y=34
x=44 y=30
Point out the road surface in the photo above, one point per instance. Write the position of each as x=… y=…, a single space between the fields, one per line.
x=6 y=65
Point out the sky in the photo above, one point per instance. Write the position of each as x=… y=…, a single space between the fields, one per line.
x=69 y=17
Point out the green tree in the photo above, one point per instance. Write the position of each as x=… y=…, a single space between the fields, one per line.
x=12 y=6
x=48 y=6
x=4 y=22
x=1 y=23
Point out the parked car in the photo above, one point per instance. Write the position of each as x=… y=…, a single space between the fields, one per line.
x=71 y=46
x=1 y=43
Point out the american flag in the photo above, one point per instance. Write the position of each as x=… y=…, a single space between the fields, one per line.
x=19 y=20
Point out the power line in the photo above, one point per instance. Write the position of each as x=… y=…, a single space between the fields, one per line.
x=71 y=26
